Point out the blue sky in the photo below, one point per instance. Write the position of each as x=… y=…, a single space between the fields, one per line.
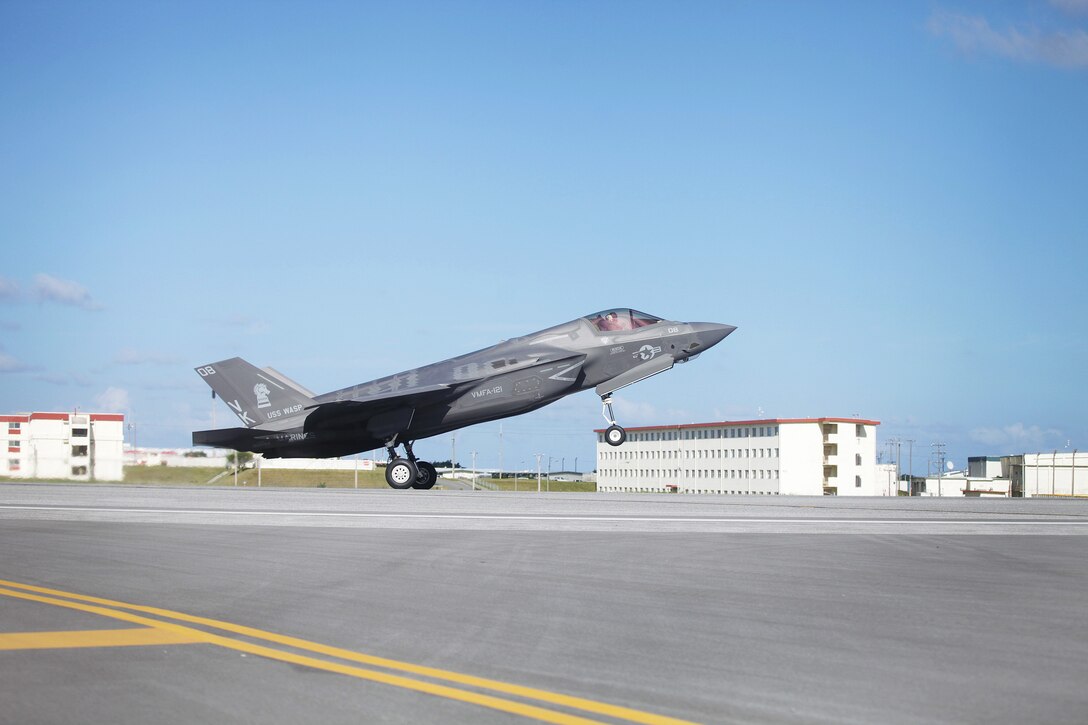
x=887 y=199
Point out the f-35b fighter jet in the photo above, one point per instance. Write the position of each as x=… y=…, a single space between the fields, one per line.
x=607 y=351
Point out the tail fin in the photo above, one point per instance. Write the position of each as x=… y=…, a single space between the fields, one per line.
x=256 y=396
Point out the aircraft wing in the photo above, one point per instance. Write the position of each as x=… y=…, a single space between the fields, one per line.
x=383 y=413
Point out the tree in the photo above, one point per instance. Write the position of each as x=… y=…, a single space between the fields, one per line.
x=242 y=458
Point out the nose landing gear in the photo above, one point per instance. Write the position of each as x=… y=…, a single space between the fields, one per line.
x=614 y=435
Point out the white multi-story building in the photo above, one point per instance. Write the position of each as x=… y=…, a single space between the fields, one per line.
x=64 y=446
x=806 y=456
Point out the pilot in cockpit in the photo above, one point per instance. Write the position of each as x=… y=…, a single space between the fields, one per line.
x=613 y=321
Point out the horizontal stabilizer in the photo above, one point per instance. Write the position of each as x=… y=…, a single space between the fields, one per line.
x=239 y=439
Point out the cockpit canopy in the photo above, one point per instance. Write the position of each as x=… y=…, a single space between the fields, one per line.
x=621 y=319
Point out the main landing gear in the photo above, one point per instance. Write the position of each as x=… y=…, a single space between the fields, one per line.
x=614 y=435
x=408 y=472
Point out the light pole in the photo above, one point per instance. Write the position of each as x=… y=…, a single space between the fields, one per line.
x=538 y=457
x=1073 y=475
x=474 y=470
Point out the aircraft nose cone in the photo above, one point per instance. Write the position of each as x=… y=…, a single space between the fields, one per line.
x=711 y=333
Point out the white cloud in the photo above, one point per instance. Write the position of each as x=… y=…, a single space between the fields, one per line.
x=1064 y=48
x=10 y=364
x=9 y=290
x=64 y=379
x=112 y=400
x=636 y=413
x=1073 y=7
x=1016 y=437
x=243 y=323
x=128 y=356
x=62 y=291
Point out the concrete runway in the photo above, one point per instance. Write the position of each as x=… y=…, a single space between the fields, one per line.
x=490 y=607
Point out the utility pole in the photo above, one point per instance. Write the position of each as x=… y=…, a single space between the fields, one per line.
x=938 y=454
x=538 y=457
x=910 y=484
x=500 y=453
x=898 y=476
x=474 y=470
x=898 y=467
x=453 y=455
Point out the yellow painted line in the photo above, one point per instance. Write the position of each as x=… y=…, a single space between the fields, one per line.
x=552 y=698
x=129 y=637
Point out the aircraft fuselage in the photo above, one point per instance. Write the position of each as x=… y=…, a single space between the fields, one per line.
x=607 y=351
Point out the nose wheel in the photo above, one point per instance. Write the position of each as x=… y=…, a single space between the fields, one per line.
x=614 y=435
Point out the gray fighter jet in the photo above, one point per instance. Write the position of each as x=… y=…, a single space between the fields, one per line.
x=607 y=351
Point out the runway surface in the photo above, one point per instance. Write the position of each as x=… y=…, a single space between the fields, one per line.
x=136 y=604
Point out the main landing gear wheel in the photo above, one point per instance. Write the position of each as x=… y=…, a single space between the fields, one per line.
x=615 y=436
x=427 y=476
x=401 y=473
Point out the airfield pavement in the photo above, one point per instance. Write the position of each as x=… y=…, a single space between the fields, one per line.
x=129 y=604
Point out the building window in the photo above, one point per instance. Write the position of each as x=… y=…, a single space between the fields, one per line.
x=857 y=481
x=860 y=430
x=78 y=451
x=79 y=470
x=857 y=459
x=79 y=432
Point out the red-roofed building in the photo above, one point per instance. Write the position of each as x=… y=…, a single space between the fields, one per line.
x=62 y=446
x=798 y=456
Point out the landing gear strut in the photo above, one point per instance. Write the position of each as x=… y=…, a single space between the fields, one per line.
x=408 y=472
x=614 y=435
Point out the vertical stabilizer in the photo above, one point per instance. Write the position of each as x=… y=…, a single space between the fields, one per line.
x=257 y=397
